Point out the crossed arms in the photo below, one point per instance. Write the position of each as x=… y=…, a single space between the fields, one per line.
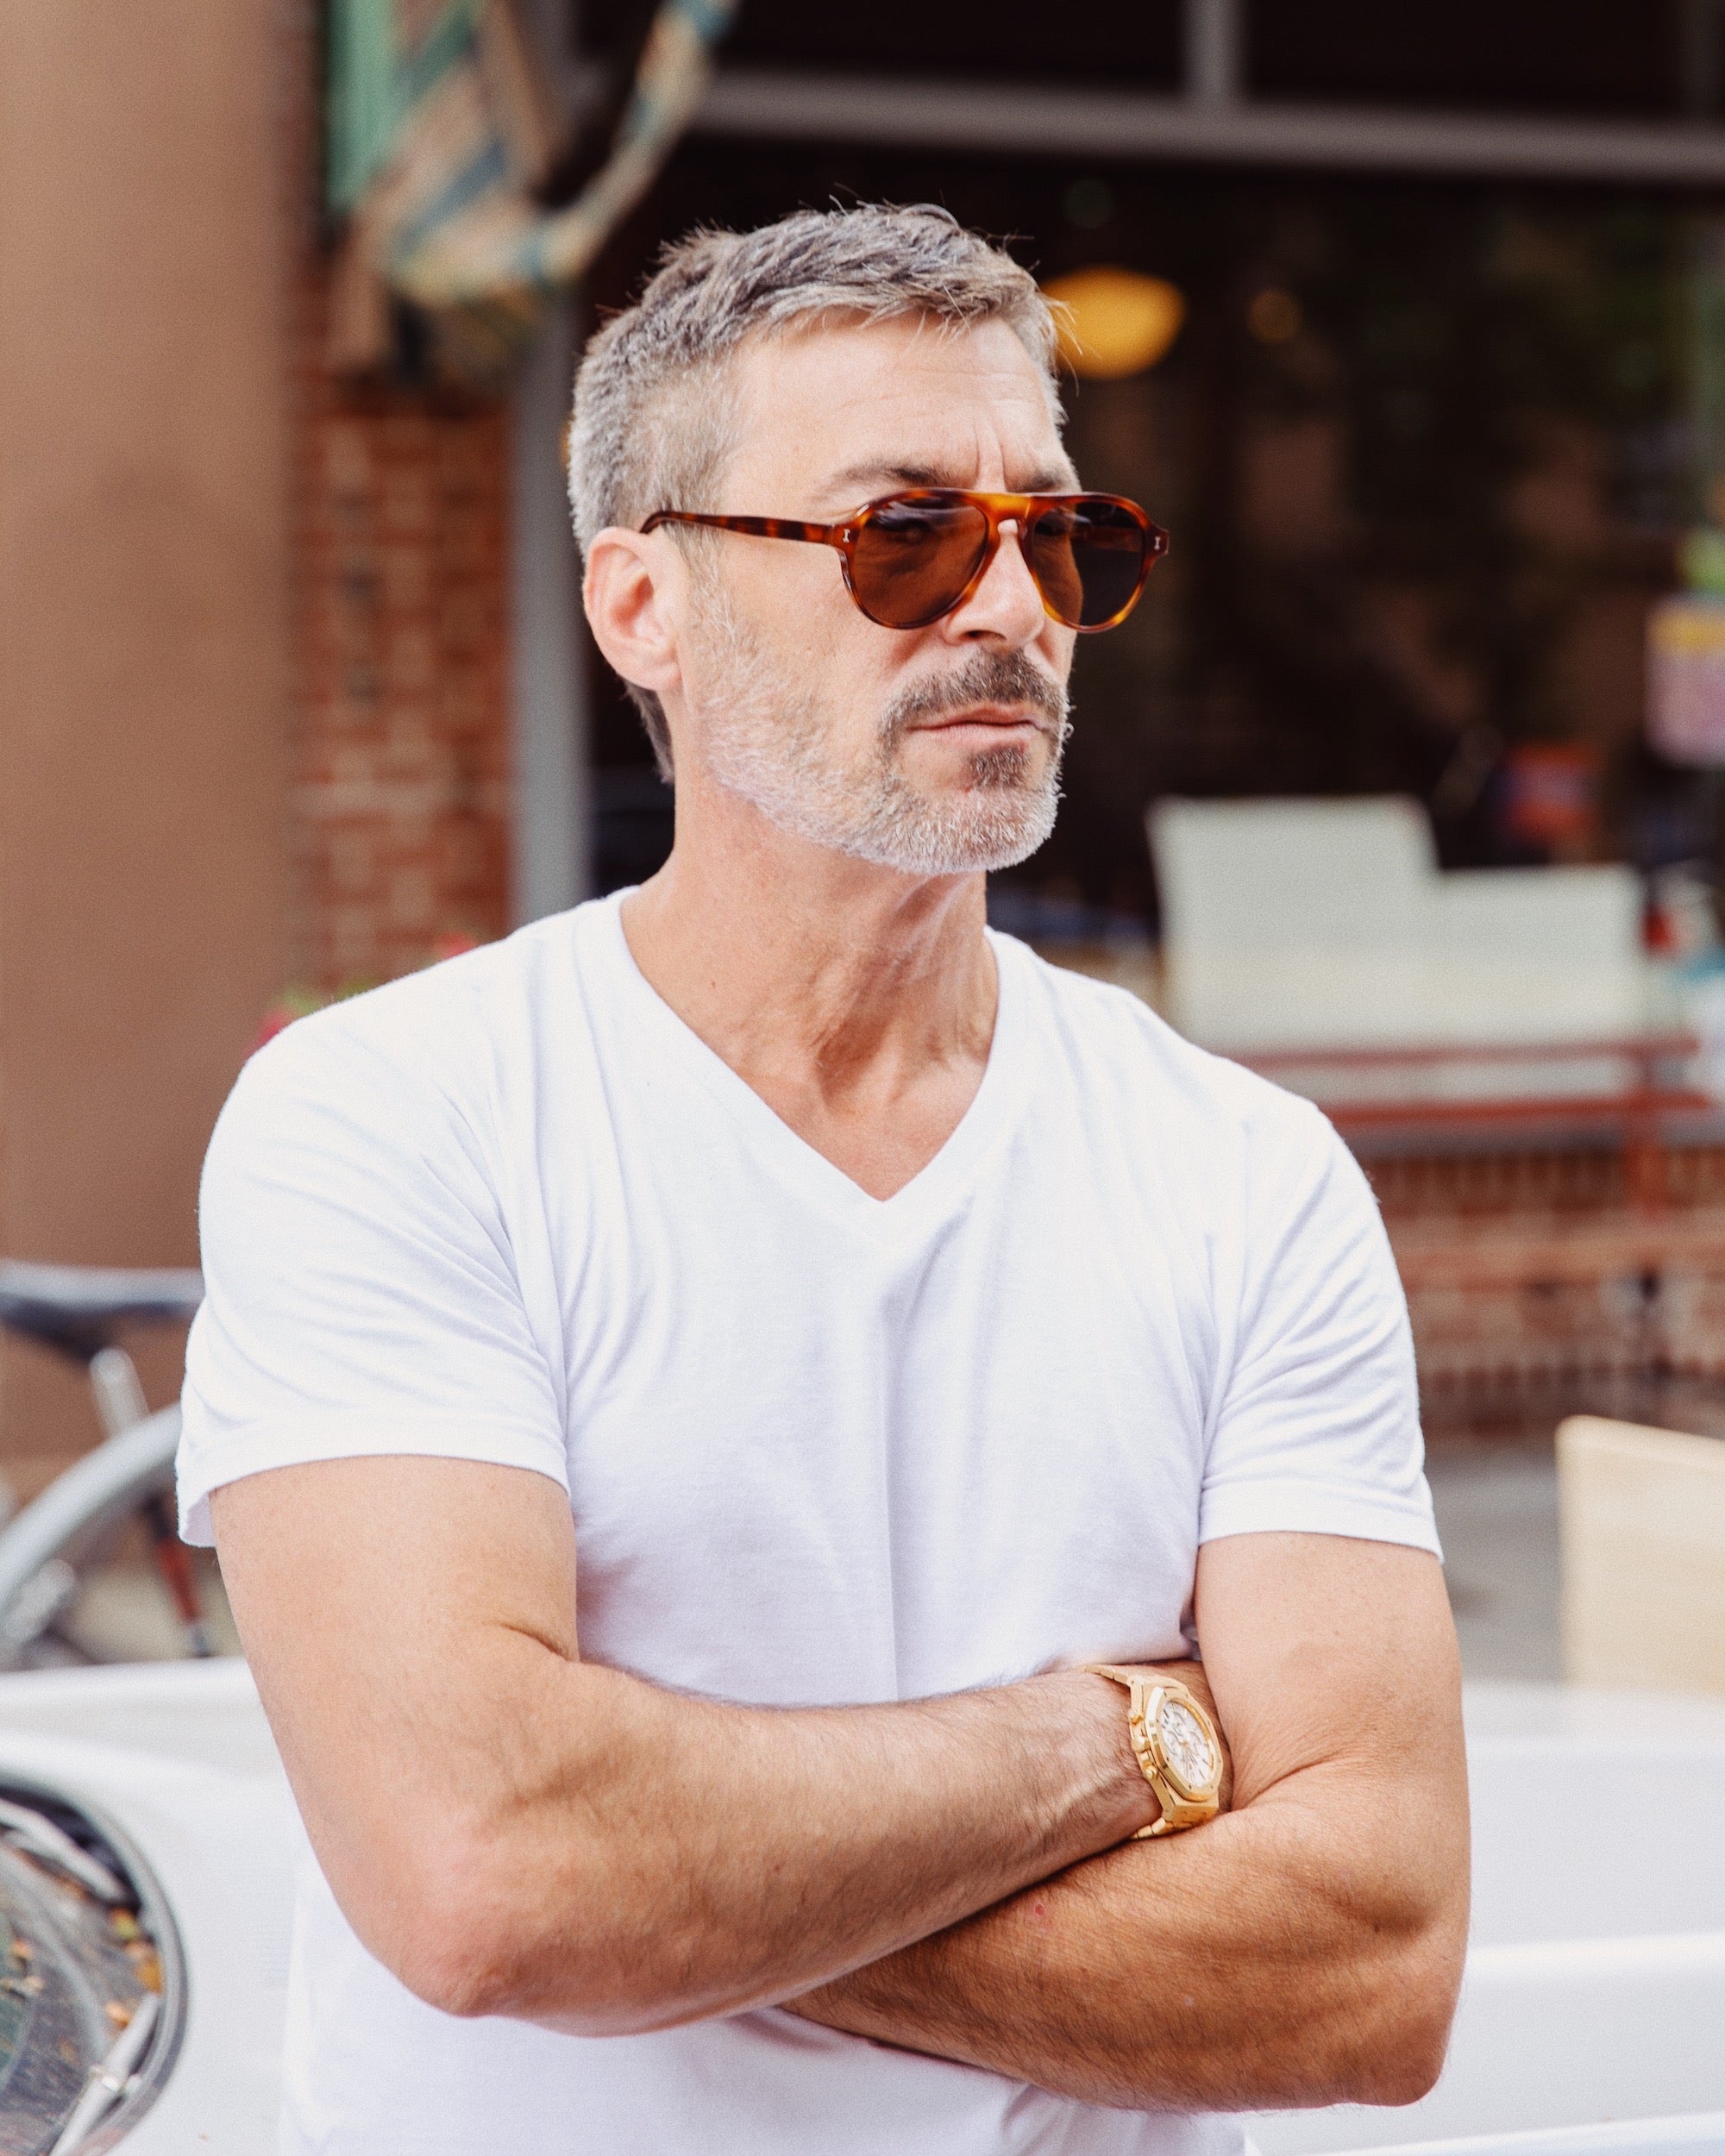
x=513 y=1831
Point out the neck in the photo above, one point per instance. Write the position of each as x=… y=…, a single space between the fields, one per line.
x=793 y=961
x=857 y=1002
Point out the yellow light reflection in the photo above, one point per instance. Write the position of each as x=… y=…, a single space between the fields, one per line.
x=1113 y=323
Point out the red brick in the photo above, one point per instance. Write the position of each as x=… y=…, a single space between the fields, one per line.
x=399 y=803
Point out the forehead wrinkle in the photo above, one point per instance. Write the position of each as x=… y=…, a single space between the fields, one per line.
x=1050 y=479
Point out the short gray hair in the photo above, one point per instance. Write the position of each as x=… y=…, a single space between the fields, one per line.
x=653 y=427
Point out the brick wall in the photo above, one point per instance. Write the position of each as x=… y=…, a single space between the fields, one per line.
x=399 y=806
x=400 y=802
x=1541 y=1284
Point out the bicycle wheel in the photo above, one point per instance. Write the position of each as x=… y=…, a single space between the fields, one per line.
x=52 y=1548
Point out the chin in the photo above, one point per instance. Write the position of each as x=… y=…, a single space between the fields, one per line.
x=976 y=830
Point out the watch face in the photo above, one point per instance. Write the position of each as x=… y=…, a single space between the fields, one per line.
x=1184 y=1743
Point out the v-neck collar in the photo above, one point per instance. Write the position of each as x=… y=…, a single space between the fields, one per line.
x=936 y=1189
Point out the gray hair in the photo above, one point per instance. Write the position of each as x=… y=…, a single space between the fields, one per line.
x=654 y=422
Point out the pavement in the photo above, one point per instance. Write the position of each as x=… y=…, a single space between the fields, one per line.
x=1497 y=1519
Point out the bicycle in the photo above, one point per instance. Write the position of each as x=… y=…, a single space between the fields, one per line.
x=50 y=1548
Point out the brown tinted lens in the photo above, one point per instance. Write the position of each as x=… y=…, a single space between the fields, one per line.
x=1087 y=557
x=912 y=560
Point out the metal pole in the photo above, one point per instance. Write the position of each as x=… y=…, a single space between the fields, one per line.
x=551 y=854
x=1214 y=52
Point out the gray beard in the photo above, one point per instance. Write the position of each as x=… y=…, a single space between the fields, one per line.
x=769 y=744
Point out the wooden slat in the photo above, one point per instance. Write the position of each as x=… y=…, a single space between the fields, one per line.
x=1643 y=1526
x=1472 y=1254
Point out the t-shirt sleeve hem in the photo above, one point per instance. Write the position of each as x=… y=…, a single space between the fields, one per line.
x=1290 y=1505
x=202 y=1469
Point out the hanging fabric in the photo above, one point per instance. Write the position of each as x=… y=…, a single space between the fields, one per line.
x=439 y=138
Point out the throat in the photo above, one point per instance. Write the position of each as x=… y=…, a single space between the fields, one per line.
x=881 y=1145
x=867 y=1038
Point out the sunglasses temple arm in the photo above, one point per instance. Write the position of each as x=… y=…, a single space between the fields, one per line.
x=751 y=527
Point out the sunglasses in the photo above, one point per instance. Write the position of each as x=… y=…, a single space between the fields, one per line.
x=912 y=557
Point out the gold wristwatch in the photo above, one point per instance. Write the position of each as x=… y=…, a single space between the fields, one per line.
x=1176 y=1746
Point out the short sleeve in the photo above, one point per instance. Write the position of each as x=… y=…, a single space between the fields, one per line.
x=1317 y=1429
x=361 y=1296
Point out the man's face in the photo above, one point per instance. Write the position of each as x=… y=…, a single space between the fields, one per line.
x=935 y=751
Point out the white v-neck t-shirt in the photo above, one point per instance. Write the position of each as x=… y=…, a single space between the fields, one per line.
x=820 y=1448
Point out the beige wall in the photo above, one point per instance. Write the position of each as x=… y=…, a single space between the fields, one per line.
x=143 y=625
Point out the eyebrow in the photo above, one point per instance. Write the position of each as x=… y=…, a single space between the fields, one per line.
x=1049 y=479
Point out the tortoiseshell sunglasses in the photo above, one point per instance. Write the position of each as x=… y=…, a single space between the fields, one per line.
x=911 y=558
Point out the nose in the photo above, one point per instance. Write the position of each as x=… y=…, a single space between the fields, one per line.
x=1006 y=608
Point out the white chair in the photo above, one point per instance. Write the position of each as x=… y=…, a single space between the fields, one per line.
x=1290 y=923
x=1326 y=924
x=1548 y=955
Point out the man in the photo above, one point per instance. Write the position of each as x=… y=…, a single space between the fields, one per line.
x=684 y=1393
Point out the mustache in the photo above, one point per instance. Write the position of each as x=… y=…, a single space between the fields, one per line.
x=988 y=677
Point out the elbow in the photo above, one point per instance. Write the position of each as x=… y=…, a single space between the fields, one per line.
x=444 y=1928
x=473 y=1928
x=1392 y=2050
x=440 y=1900
x=447 y=1967
x=1407 y=2059
x=439 y=1979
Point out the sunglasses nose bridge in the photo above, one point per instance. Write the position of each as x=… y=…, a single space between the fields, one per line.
x=1002 y=527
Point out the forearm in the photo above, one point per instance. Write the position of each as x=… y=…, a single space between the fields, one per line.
x=1304 y=1948
x=1304 y=1951
x=513 y=1830
x=647 y=1859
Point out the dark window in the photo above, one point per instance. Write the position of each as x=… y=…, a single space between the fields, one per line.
x=1539 y=56
x=1135 y=41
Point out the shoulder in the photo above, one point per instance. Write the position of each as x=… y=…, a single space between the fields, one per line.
x=397 y=1065
x=1111 y=1038
x=447 y=1009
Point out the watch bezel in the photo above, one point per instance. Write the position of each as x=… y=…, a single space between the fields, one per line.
x=1152 y=1754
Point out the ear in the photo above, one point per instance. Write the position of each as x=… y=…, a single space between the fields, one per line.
x=633 y=591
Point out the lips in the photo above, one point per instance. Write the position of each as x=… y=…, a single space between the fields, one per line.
x=993 y=720
x=994 y=694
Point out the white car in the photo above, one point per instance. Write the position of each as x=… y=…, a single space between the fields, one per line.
x=1595 y=1992
x=147 y=1834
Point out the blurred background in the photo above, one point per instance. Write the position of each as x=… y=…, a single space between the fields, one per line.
x=1402 y=783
